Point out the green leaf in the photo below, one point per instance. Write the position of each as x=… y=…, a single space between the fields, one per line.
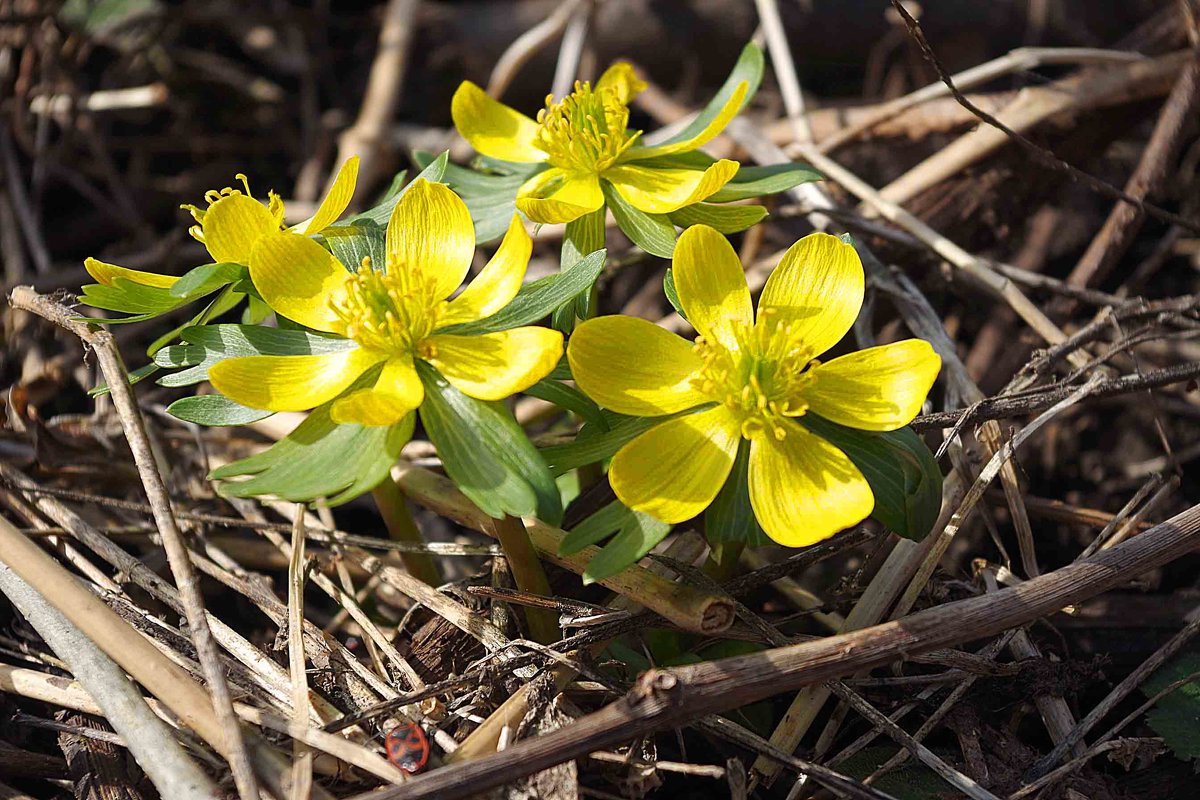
x=486 y=453
x=125 y=296
x=205 y=279
x=582 y=236
x=749 y=68
x=567 y=397
x=903 y=474
x=208 y=344
x=433 y=172
x=730 y=518
x=725 y=219
x=538 y=299
x=225 y=301
x=591 y=449
x=319 y=459
x=350 y=244
x=758 y=181
x=215 y=409
x=137 y=376
x=672 y=292
x=636 y=535
x=1176 y=716
x=654 y=233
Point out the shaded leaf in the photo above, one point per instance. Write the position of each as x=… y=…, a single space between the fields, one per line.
x=654 y=233
x=215 y=409
x=724 y=219
x=486 y=453
x=758 y=181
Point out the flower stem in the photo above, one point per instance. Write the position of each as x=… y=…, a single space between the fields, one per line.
x=723 y=561
x=402 y=528
x=530 y=577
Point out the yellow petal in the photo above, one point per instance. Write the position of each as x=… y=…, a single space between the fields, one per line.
x=104 y=274
x=712 y=285
x=233 y=224
x=661 y=191
x=497 y=283
x=803 y=489
x=632 y=366
x=818 y=288
x=299 y=279
x=430 y=237
x=339 y=196
x=289 y=383
x=557 y=196
x=396 y=393
x=877 y=389
x=492 y=128
x=710 y=132
x=622 y=79
x=493 y=366
x=674 y=470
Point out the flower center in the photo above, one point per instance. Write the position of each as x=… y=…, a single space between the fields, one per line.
x=585 y=132
x=762 y=381
x=388 y=312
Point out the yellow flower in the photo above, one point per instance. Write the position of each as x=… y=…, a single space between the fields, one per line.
x=749 y=377
x=392 y=318
x=234 y=221
x=584 y=140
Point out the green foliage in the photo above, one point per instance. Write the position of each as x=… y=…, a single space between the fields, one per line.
x=730 y=518
x=486 y=453
x=318 y=459
x=654 y=233
x=539 y=299
x=350 y=244
x=207 y=278
x=213 y=410
x=672 y=292
x=758 y=181
x=1176 y=716
x=903 y=474
x=636 y=535
x=434 y=172
x=749 y=68
x=910 y=781
x=208 y=344
x=725 y=219
x=568 y=398
x=582 y=236
x=594 y=445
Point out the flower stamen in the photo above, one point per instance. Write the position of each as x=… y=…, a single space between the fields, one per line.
x=585 y=131
x=388 y=312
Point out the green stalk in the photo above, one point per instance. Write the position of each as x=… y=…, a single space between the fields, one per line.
x=402 y=528
x=529 y=576
x=723 y=561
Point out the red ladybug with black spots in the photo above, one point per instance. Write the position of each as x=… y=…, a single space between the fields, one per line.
x=407 y=747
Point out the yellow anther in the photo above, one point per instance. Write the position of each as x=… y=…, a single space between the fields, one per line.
x=586 y=130
x=390 y=313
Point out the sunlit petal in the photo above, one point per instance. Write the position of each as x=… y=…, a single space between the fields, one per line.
x=492 y=128
x=430 y=237
x=632 y=366
x=339 y=196
x=233 y=224
x=557 y=196
x=710 y=132
x=622 y=79
x=496 y=365
x=674 y=470
x=712 y=285
x=497 y=283
x=299 y=279
x=877 y=389
x=104 y=274
x=396 y=393
x=803 y=489
x=661 y=191
x=817 y=288
x=290 y=383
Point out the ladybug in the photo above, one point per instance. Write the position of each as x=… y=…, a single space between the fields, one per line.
x=407 y=747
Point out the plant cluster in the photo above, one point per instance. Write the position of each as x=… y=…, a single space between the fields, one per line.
x=359 y=320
